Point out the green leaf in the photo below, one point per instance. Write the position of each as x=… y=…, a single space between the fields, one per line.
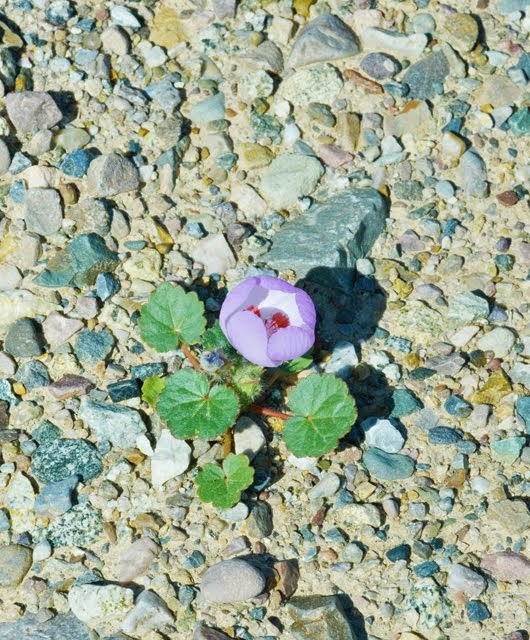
x=192 y=408
x=171 y=316
x=324 y=411
x=246 y=380
x=214 y=338
x=298 y=364
x=152 y=388
x=223 y=487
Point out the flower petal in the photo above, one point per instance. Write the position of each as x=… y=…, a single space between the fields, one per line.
x=236 y=300
x=246 y=333
x=275 y=284
x=290 y=343
x=306 y=308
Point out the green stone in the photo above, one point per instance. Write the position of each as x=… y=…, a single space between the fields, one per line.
x=55 y=460
x=388 y=466
x=92 y=347
x=519 y=122
x=405 y=403
x=318 y=618
x=79 y=263
x=508 y=449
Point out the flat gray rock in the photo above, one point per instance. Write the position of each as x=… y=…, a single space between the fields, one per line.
x=44 y=211
x=324 y=38
x=120 y=426
x=333 y=233
x=290 y=177
x=231 y=581
x=318 y=618
x=32 y=110
x=62 y=627
x=111 y=174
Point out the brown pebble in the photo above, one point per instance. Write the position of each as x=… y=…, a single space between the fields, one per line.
x=288 y=576
x=361 y=81
x=508 y=198
x=319 y=516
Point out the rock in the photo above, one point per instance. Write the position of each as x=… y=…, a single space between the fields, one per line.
x=56 y=498
x=150 y=613
x=426 y=77
x=458 y=407
x=500 y=340
x=137 y=559
x=444 y=435
x=144 y=265
x=59 y=627
x=79 y=263
x=520 y=373
x=466 y=308
x=58 y=459
x=5 y=158
x=15 y=562
x=508 y=449
x=339 y=230
x=473 y=174
x=231 y=581
x=461 y=31
x=522 y=407
x=76 y=163
x=70 y=386
x=171 y=458
x=209 y=109
x=327 y=486
x=323 y=39
x=380 y=66
x=318 y=618
x=97 y=604
x=477 y=611
x=513 y=515
x=33 y=375
x=124 y=390
x=260 y=523
x=388 y=466
x=382 y=434
x=81 y=526
x=115 y=40
x=393 y=42
x=90 y=215
x=248 y=437
x=30 y=111
x=317 y=83
x=58 y=328
x=24 y=339
x=20 y=501
x=364 y=514
x=404 y=403
x=208 y=633
x=92 y=347
x=496 y=387
x=214 y=253
x=111 y=174
x=44 y=211
x=120 y=426
x=290 y=177
x=124 y=17
x=343 y=359
x=224 y=9
x=10 y=277
x=288 y=576
x=465 y=579
x=507 y=566
x=166 y=29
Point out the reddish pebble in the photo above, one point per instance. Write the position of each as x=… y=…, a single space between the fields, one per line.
x=507 y=566
x=334 y=156
x=508 y=198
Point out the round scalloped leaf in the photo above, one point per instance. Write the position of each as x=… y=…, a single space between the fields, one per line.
x=192 y=408
x=223 y=486
x=171 y=316
x=324 y=412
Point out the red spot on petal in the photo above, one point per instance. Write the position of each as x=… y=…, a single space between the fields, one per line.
x=277 y=321
x=253 y=309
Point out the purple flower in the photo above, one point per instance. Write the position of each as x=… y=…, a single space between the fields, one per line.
x=268 y=320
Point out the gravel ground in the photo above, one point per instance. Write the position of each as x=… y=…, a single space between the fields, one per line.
x=375 y=153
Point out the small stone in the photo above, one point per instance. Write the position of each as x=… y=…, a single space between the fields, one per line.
x=388 y=466
x=315 y=83
x=343 y=360
x=24 y=339
x=136 y=559
x=87 y=307
x=166 y=29
x=500 y=340
x=70 y=386
x=473 y=174
x=259 y=523
x=464 y=579
x=42 y=551
x=214 y=253
x=394 y=42
x=56 y=498
x=382 y=434
x=237 y=513
x=380 y=66
x=124 y=390
x=124 y=17
x=248 y=437
x=456 y=406
x=290 y=177
x=461 y=31
x=171 y=458
x=519 y=122
x=508 y=449
x=231 y=581
x=58 y=328
x=507 y=566
x=97 y=604
x=522 y=406
x=444 y=435
x=209 y=109
x=404 y=403
x=92 y=347
x=364 y=514
x=150 y=613
x=327 y=486
x=46 y=432
x=208 y=633
x=15 y=562
x=496 y=387
x=224 y=9
x=511 y=514
x=477 y=611
x=76 y=163
x=5 y=158
x=33 y=375
x=32 y=110
x=426 y=569
x=323 y=39
x=115 y=40
x=120 y=426
x=468 y=307
x=401 y=552
x=10 y=277
x=318 y=617
x=111 y=174
x=44 y=211
x=57 y=459
x=81 y=526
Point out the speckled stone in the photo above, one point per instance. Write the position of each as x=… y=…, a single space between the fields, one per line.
x=15 y=562
x=81 y=526
x=55 y=460
x=319 y=617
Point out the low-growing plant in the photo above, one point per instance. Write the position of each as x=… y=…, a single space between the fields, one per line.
x=265 y=323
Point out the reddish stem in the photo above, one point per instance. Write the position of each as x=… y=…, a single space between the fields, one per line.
x=192 y=359
x=268 y=412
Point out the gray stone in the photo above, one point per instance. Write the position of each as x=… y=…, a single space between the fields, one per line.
x=208 y=633
x=24 y=339
x=473 y=174
x=150 y=613
x=425 y=78
x=323 y=39
x=81 y=526
x=260 y=523
x=326 y=487
x=90 y=216
x=318 y=618
x=44 y=211
x=224 y=9
x=92 y=347
x=520 y=373
x=343 y=358
x=60 y=627
x=394 y=42
x=32 y=111
x=388 y=466
x=231 y=581
x=466 y=308
x=97 y=604
x=464 y=579
x=316 y=83
x=56 y=498
x=208 y=110
x=338 y=230
x=248 y=437
x=5 y=158
x=33 y=375
x=382 y=434
x=56 y=460
x=380 y=66
x=500 y=340
x=111 y=174
x=15 y=562
x=289 y=177
x=136 y=559
x=120 y=426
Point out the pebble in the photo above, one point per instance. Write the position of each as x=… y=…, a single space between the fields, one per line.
x=382 y=434
x=92 y=603
x=522 y=406
x=511 y=514
x=58 y=459
x=393 y=42
x=15 y=562
x=500 y=340
x=388 y=466
x=473 y=174
x=343 y=359
x=324 y=613
x=170 y=459
x=466 y=308
x=136 y=559
x=5 y=158
x=323 y=39
x=260 y=522
x=231 y=581
x=150 y=613
x=111 y=174
x=33 y=375
x=214 y=253
x=327 y=486
x=76 y=163
x=458 y=407
x=444 y=435
x=319 y=82
x=209 y=109
x=507 y=566
x=24 y=339
x=401 y=552
x=290 y=177
x=92 y=347
x=248 y=437
x=477 y=611
x=56 y=498
x=461 y=578
x=380 y=66
x=426 y=77
x=115 y=40
x=120 y=426
x=508 y=449
x=30 y=111
x=81 y=526
x=44 y=211
x=404 y=403
x=124 y=17
x=58 y=328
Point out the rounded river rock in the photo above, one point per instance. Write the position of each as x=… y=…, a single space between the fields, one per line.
x=231 y=581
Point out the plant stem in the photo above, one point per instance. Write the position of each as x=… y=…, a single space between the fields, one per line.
x=268 y=412
x=192 y=359
x=228 y=442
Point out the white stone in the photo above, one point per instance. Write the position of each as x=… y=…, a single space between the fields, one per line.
x=464 y=335
x=499 y=340
x=214 y=253
x=382 y=434
x=10 y=277
x=42 y=550
x=97 y=604
x=7 y=365
x=343 y=360
x=327 y=486
x=248 y=437
x=237 y=513
x=374 y=39
x=5 y=157
x=115 y=40
x=171 y=458
x=464 y=579
x=124 y=17
x=363 y=514
x=150 y=613
x=305 y=463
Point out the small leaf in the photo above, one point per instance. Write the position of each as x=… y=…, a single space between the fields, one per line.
x=152 y=388
x=192 y=408
x=171 y=316
x=246 y=380
x=324 y=411
x=214 y=339
x=223 y=487
x=298 y=364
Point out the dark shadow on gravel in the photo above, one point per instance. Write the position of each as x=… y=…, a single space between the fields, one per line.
x=67 y=104
x=354 y=616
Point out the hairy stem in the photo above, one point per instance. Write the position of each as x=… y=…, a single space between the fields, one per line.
x=268 y=412
x=189 y=355
x=228 y=442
